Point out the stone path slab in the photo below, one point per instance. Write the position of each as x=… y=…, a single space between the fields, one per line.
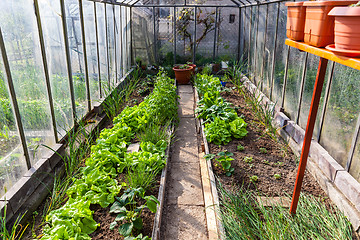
x=186 y=223
x=184 y=215
x=185 y=184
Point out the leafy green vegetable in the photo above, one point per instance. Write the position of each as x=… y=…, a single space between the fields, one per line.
x=238 y=128
x=129 y=211
x=71 y=221
x=218 y=132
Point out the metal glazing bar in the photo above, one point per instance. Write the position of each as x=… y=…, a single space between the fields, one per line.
x=68 y=60
x=353 y=144
x=215 y=31
x=46 y=69
x=188 y=5
x=14 y=100
x=154 y=26
x=97 y=50
x=131 y=36
x=243 y=35
x=85 y=55
x=107 y=48
x=285 y=79
x=110 y=2
x=237 y=4
x=174 y=32
x=239 y=36
x=194 y=39
x=302 y=84
x=115 y=47
x=126 y=39
x=265 y=38
x=326 y=98
x=274 y=52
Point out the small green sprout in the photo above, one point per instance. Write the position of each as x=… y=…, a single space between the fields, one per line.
x=248 y=159
x=240 y=148
x=277 y=176
x=280 y=164
x=266 y=162
x=263 y=150
x=254 y=179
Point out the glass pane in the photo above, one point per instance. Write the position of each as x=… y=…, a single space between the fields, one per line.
x=100 y=15
x=12 y=160
x=280 y=56
x=355 y=164
x=205 y=44
x=228 y=38
x=76 y=55
x=90 y=39
x=341 y=114
x=118 y=42
x=20 y=32
x=311 y=71
x=293 y=82
x=55 y=52
x=141 y=28
x=164 y=37
x=111 y=42
x=128 y=40
x=260 y=38
x=269 y=48
x=252 y=43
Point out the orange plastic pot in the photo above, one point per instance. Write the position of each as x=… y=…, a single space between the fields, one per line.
x=347 y=27
x=295 y=20
x=183 y=76
x=319 y=27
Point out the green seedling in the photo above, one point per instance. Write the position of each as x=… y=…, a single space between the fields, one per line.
x=280 y=164
x=266 y=162
x=209 y=156
x=263 y=150
x=240 y=148
x=277 y=176
x=254 y=179
x=225 y=161
x=248 y=159
x=225 y=154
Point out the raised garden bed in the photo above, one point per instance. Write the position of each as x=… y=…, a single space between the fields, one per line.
x=256 y=171
x=134 y=118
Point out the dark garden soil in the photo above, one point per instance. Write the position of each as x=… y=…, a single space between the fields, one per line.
x=102 y=215
x=278 y=158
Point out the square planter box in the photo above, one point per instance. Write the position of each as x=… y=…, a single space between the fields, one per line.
x=319 y=27
x=295 y=20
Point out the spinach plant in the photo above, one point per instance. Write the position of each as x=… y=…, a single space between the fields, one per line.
x=129 y=210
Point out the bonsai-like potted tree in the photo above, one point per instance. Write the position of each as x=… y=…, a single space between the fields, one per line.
x=347 y=30
x=183 y=73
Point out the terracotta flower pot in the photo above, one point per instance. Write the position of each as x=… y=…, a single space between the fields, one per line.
x=347 y=27
x=194 y=66
x=319 y=27
x=295 y=20
x=183 y=76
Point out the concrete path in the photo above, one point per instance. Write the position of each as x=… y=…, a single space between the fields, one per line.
x=184 y=210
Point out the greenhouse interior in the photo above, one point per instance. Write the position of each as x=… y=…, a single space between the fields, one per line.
x=188 y=119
